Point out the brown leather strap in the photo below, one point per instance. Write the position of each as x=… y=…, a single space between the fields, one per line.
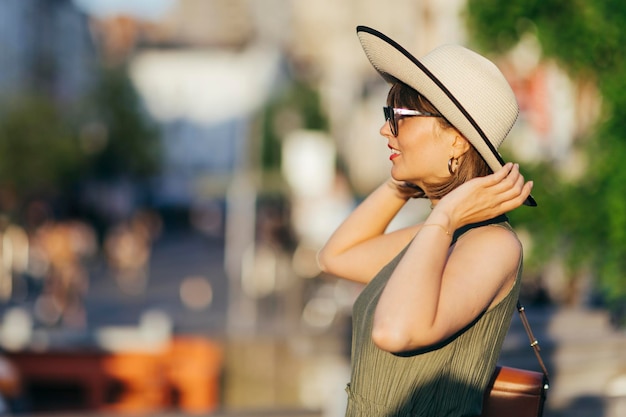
x=534 y=343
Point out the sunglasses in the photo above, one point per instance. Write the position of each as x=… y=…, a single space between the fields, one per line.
x=392 y=115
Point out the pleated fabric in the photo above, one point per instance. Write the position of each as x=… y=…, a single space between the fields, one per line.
x=447 y=380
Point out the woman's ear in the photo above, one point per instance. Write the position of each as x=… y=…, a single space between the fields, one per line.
x=460 y=145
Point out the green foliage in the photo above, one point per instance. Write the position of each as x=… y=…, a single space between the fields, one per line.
x=46 y=149
x=584 y=222
x=496 y=26
x=131 y=144
x=39 y=153
x=585 y=36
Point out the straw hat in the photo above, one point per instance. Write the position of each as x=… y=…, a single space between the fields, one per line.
x=465 y=87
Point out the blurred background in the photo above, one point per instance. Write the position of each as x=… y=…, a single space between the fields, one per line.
x=169 y=168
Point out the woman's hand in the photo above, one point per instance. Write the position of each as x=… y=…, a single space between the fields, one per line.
x=483 y=198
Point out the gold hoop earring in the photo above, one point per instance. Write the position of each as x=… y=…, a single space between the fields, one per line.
x=453 y=165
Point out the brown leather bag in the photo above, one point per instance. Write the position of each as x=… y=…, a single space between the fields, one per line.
x=515 y=392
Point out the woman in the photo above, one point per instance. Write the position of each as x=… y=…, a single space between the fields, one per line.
x=429 y=325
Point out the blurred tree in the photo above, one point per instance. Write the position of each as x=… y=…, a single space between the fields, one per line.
x=47 y=149
x=39 y=152
x=585 y=222
x=117 y=136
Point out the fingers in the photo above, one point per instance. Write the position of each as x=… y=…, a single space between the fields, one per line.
x=509 y=177
x=506 y=178
x=499 y=175
x=514 y=189
x=506 y=188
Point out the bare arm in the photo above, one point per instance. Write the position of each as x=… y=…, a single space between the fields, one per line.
x=359 y=247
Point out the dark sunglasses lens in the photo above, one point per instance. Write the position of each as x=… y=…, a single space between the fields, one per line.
x=390 y=117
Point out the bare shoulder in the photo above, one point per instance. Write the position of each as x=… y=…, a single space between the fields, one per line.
x=491 y=237
x=493 y=247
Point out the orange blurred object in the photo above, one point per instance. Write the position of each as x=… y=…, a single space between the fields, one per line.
x=194 y=367
x=186 y=375
x=141 y=381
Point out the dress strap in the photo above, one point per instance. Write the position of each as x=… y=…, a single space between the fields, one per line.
x=460 y=231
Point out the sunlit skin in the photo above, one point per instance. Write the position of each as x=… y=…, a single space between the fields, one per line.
x=422 y=149
x=437 y=289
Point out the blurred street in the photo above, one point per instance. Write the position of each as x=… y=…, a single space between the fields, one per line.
x=175 y=257
x=264 y=374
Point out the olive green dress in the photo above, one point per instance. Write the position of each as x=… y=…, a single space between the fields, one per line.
x=447 y=380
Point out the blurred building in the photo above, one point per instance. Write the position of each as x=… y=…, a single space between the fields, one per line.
x=203 y=77
x=46 y=48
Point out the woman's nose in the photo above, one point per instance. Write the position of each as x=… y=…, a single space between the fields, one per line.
x=385 y=129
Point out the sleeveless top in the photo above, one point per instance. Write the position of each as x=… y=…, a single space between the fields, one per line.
x=446 y=380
